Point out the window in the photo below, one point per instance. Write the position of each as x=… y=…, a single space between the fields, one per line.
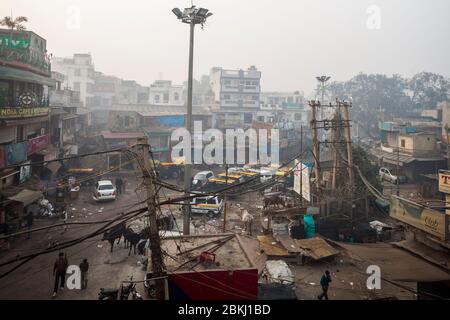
x=297 y=116
x=248 y=118
x=227 y=82
x=77 y=72
x=157 y=97
x=76 y=86
x=166 y=98
x=176 y=96
x=256 y=98
x=403 y=143
x=226 y=96
x=261 y=118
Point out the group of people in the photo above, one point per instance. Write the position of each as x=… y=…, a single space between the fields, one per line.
x=120 y=185
x=60 y=269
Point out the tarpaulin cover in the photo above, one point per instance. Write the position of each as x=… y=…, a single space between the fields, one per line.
x=310 y=226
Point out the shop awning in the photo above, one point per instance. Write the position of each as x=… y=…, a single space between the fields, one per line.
x=28 y=76
x=26 y=196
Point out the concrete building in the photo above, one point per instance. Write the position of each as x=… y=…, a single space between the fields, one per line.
x=25 y=79
x=79 y=75
x=163 y=92
x=284 y=107
x=237 y=94
x=412 y=148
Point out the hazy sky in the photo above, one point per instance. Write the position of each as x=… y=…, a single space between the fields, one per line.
x=290 y=41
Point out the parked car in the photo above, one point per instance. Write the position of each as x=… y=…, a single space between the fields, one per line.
x=210 y=206
x=201 y=178
x=104 y=190
x=385 y=174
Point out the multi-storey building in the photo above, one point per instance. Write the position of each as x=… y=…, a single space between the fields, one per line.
x=79 y=75
x=237 y=92
x=162 y=92
x=284 y=107
x=25 y=78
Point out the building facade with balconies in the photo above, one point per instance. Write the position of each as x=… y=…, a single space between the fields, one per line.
x=79 y=73
x=163 y=92
x=25 y=80
x=237 y=94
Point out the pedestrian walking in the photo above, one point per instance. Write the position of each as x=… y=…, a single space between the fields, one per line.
x=84 y=268
x=325 y=283
x=124 y=184
x=29 y=220
x=119 y=185
x=59 y=271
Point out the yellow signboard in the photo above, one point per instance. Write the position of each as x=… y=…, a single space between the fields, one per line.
x=444 y=181
x=425 y=219
x=12 y=113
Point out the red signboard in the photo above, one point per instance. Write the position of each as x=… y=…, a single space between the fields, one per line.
x=37 y=144
x=239 y=284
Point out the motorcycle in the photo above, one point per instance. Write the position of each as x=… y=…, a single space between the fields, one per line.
x=120 y=294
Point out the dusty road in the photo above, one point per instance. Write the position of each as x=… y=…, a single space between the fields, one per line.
x=34 y=280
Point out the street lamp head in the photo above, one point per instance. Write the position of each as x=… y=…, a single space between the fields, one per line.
x=201 y=12
x=178 y=13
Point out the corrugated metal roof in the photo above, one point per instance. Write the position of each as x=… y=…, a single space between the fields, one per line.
x=396 y=264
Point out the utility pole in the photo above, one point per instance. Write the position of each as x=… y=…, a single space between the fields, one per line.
x=349 y=153
x=225 y=201
x=398 y=171
x=301 y=165
x=447 y=129
x=187 y=164
x=155 y=241
x=314 y=105
x=191 y=16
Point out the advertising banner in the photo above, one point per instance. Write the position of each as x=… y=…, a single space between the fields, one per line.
x=425 y=219
x=16 y=153
x=301 y=180
x=37 y=144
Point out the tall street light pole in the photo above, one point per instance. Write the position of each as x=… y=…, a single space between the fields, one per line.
x=191 y=16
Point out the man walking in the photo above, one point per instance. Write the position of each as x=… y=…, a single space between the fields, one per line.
x=325 y=283
x=59 y=271
x=119 y=185
x=29 y=220
x=84 y=267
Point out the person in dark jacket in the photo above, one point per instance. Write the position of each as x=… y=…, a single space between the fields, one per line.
x=325 y=283
x=119 y=185
x=29 y=220
x=59 y=271
x=84 y=267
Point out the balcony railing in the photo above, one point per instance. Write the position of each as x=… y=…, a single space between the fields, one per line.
x=25 y=58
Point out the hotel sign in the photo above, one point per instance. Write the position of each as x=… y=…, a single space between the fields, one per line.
x=14 y=113
x=444 y=181
x=425 y=219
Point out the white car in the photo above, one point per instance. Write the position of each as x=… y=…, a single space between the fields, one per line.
x=201 y=178
x=104 y=190
x=210 y=206
x=385 y=174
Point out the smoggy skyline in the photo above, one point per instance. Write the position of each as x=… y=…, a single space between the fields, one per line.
x=291 y=42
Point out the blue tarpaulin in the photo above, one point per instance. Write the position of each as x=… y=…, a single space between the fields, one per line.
x=310 y=226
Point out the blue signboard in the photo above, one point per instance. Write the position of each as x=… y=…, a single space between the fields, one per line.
x=171 y=121
x=16 y=153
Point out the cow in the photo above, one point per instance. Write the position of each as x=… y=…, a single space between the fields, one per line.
x=131 y=238
x=116 y=232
